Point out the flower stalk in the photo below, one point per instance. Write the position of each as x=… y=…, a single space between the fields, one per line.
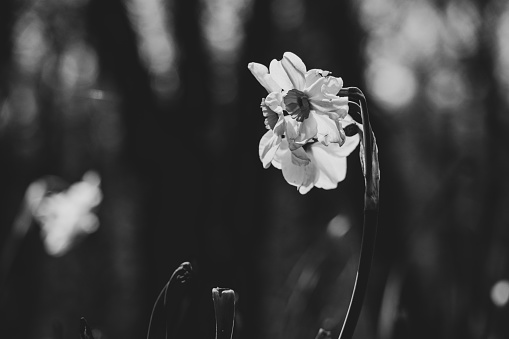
x=165 y=313
x=370 y=167
x=224 y=307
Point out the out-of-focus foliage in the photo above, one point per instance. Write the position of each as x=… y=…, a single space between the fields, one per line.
x=155 y=96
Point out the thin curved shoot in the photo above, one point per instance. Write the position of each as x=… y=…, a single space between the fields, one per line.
x=164 y=318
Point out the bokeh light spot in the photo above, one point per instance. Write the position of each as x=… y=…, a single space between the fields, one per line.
x=421 y=43
x=338 y=226
x=30 y=44
x=79 y=66
x=502 y=51
x=446 y=88
x=500 y=293
x=393 y=85
x=224 y=35
x=462 y=20
x=156 y=46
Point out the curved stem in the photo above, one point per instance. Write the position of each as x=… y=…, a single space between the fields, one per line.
x=163 y=319
x=369 y=162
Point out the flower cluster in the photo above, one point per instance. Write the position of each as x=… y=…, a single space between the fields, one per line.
x=305 y=119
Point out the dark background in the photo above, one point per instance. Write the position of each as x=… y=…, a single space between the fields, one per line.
x=156 y=97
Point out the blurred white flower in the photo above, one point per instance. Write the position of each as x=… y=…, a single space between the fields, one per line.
x=67 y=215
x=305 y=119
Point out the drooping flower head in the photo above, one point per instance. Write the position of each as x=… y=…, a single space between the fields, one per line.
x=305 y=119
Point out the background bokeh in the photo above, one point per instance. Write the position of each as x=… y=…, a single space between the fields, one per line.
x=155 y=96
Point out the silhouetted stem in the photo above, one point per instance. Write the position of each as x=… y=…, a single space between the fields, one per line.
x=224 y=307
x=85 y=331
x=369 y=162
x=165 y=308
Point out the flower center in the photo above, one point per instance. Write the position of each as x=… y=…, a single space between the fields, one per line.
x=297 y=104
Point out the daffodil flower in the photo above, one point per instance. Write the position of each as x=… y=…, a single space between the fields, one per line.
x=305 y=118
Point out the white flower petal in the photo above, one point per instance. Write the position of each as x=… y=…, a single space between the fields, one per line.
x=267 y=148
x=279 y=75
x=280 y=154
x=349 y=146
x=292 y=128
x=261 y=73
x=301 y=176
x=280 y=127
x=276 y=161
x=336 y=106
x=307 y=129
x=275 y=101
x=295 y=69
x=299 y=133
x=330 y=165
x=312 y=76
x=314 y=84
x=304 y=189
x=300 y=158
x=328 y=130
x=348 y=120
x=332 y=85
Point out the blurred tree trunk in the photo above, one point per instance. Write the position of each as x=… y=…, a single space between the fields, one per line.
x=131 y=175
